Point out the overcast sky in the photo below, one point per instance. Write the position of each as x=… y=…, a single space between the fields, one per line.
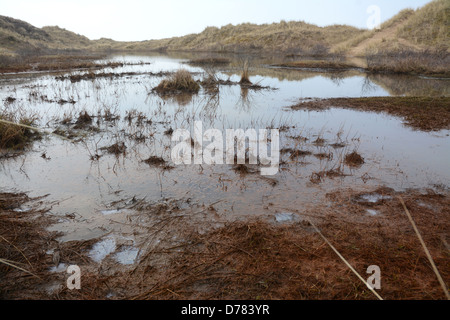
x=136 y=20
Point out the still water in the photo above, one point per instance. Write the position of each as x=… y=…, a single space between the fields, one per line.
x=125 y=110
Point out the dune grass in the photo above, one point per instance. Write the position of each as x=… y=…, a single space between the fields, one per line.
x=180 y=81
x=429 y=25
x=14 y=137
x=425 y=62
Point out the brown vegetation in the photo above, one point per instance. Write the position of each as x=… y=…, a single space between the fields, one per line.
x=52 y=63
x=245 y=78
x=116 y=148
x=422 y=113
x=354 y=159
x=17 y=137
x=181 y=81
x=23 y=241
x=210 y=62
x=425 y=62
x=256 y=258
x=259 y=260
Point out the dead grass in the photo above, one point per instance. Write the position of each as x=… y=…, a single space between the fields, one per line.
x=354 y=159
x=421 y=113
x=181 y=81
x=116 y=149
x=213 y=61
x=53 y=63
x=245 y=78
x=426 y=62
x=16 y=137
x=159 y=162
x=427 y=25
x=84 y=120
x=23 y=240
x=255 y=259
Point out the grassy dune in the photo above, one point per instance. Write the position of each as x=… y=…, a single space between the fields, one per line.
x=420 y=31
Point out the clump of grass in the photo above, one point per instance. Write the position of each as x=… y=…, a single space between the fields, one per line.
x=169 y=131
x=10 y=100
x=181 y=81
x=209 y=62
x=211 y=83
x=159 y=162
x=117 y=148
x=354 y=159
x=245 y=78
x=324 y=155
x=16 y=137
x=84 y=119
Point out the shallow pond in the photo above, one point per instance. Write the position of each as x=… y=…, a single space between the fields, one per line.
x=88 y=186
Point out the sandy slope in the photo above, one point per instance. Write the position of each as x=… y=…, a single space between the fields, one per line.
x=384 y=35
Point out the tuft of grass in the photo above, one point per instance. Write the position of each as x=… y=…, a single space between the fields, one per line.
x=83 y=120
x=245 y=78
x=209 y=62
x=116 y=149
x=354 y=159
x=181 y=81
x=16 y=137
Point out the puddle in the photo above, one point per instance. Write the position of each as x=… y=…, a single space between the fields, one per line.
x=285 y=217
x=24 y=209
x=62 y=267
x=127 y=256
x=373 y=198
x=102 y=249
x=112 y=211
x=371 y=212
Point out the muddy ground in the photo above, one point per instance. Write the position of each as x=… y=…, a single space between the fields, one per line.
x=260 y=258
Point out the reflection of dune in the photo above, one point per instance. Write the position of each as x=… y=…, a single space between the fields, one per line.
x=398 y=85
x=295 y=75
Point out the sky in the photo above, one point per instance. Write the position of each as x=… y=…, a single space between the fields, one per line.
x=137 y=20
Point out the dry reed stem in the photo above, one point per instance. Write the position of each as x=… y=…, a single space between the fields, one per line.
x=430 y=258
